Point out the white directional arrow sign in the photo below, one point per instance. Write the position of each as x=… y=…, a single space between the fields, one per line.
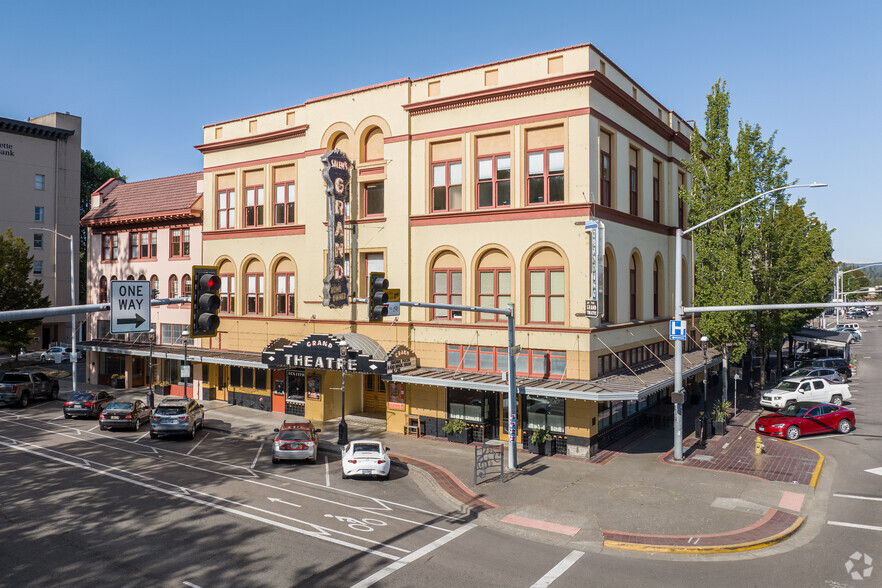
x=129 y=306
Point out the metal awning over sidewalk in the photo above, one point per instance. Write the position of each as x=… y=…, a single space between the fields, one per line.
x=824 y=338
x=194 y=354
x=648 y=379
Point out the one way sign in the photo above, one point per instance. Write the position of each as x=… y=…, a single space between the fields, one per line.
x=129 y=306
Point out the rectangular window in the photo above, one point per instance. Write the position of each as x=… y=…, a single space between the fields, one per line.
x=254 y=296
x=633 y=182
x=142 y=245
x=494 y=291
x=447 y=289
x=285 y=294
x=373 y=199
x=494 y=181
x=542 y=412
x=38 y=240
x=447 y=186
x=465 y=405
x=254 y=206
x=226 y=209
x=39 y=182
x=545 y=176
x=227 y=293
x=109 y=247
x=38 y=214
x=172 y=334
x=284 y=205
x=537 y=363
x=38 y=268
x=546 y=295
x=656 y=191
x=605 y=169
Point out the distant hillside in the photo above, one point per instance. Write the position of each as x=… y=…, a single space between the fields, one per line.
x=873 y=273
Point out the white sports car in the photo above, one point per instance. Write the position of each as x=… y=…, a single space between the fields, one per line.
x=366 y=458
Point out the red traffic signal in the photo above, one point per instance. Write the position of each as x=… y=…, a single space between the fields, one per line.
x=205 y=301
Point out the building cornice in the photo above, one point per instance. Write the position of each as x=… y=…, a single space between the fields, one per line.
x=291 y=133
x=29 y=129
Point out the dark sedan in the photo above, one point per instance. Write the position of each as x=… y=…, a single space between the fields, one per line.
x=806 y=418
x=126 y=415
x=87 y=404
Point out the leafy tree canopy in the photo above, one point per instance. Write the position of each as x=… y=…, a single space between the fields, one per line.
x=18 y=292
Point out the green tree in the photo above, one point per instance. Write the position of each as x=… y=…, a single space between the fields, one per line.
x=92 y=175
x=18 y=292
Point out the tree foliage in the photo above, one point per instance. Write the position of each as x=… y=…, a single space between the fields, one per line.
x=92 y=175
x=766 y=252
x=18 y=292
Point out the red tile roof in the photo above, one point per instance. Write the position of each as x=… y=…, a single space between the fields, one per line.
x=161 y=198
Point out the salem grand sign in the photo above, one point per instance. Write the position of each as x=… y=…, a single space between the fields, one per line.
x=335 y=171
x=322 y=352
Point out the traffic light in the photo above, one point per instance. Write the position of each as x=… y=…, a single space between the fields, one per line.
x=205 y=302
x=378 y=298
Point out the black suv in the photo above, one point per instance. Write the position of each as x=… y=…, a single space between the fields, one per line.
x=837 y=363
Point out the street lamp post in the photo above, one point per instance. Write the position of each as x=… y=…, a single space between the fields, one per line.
x=704 y=419
x=343 y=429
x=185 y=335
x=839 y=284
x=151 y=337
x=73 y=317
x=678 y=308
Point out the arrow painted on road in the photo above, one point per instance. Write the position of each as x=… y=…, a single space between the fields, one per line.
x=877 y=471
x=282 y=501
x=137 y=321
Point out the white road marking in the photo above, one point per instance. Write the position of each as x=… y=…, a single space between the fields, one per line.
x=855 y=525
x=259 y=449
x=93 y=428
x=876 y=498
x=282 y=501
x=327 y=473
x=426 y=549
x=198 y=444
x=61 y=416
x=555 y=572
x=184 y=495
x=877 y=471
x=142 y=436
x=191 y=584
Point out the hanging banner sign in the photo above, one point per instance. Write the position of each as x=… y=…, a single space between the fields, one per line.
x=597 y=235
x=336 y=173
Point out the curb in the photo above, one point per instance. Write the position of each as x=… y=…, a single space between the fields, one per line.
x=817 y=473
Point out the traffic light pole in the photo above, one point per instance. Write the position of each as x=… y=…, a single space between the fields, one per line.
x=512 y=386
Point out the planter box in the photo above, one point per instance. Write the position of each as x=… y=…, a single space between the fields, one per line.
x=164 y=390
x=546 y=448
x=719 y=427
x=464 y=436
x=119 y=384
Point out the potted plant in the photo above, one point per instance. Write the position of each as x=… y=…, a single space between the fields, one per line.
x=457 y=431
x=721 y=413
x=541 y=442
x=162 y=387
x=117 y=381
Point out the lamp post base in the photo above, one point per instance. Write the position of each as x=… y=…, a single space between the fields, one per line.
x=343 y=433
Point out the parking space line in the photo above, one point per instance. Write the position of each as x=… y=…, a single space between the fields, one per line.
x=855 y=525
x=327 y=473
x=259 y=449
x=142 y=436
x=555 y=572
x=93 y=428
x=858 y=497
x=198 y=444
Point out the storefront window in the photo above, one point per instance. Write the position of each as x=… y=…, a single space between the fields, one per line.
x=615 y=411
x=546 y=413
x=466 y=405
x=630 y=407
x=603 y=415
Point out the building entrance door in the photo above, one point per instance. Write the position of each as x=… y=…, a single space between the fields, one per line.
x=374 y=399
x=295 y=392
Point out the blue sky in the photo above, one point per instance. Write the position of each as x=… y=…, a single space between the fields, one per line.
x=147 y=76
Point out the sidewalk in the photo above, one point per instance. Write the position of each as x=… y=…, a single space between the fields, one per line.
x=719 y=499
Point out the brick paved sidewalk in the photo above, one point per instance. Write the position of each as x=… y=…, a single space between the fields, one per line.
x=449 y=483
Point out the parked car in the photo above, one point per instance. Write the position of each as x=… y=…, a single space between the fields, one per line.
x=854 y=333
x=295 y=441
x=809 y=372
x=87 y=404
x=22 y=387
x=795 y=390
x=55 y=354
x=69 y=351
x=177 y=416
x=366 y=458
x=128 y=414
x=806 y=418
x=840 y=364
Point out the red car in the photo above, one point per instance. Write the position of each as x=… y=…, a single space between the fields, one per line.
x=806 y=418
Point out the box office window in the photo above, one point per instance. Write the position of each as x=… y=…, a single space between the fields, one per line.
x=542 y=412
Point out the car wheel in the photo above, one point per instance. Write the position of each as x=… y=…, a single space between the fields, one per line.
x=153 y=435
x=844 y=426
x=25 y=398
x=102 y=427
x=137 y=423
x=54 y=394
x=193 y=432
x=345 y=477
x=792 y=433
x=837 y=400
x=386 y=477
x=276 y=459
x=67 y=416
x=789 y=403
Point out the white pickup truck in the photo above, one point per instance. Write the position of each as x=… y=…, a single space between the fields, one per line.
x=804 y=390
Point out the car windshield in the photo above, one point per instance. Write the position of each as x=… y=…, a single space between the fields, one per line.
x=82 y=396
x=169 y=410
x=787 y=386
x=800 y=372
x=294 y=435
x=14 y=378
x=794 y=410
x=371 y=447
x=119 y=406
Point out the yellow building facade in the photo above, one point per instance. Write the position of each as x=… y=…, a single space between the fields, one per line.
x=471 y=188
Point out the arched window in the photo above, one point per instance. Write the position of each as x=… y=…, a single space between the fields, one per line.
x=154 y=286
x=130 y=278
x=545 y=287
x=102 y=289
x=227 y=275
x=173 y=286
x=186 y=286
x=284 y=280
x=372 y=148
x=341 y=142
x=494 y=284
x=447 y=285
x=609 y=286
x=657 y=287
x=633 y=287
x=255 y=288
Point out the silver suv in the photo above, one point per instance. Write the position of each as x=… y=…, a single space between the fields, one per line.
x=177 y=416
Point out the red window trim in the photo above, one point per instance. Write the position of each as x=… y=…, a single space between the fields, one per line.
x=139 y=236
x=230 y=295
x=111 y=237
x=258 y=298
x=229 y=212
x=288 y=311
x=171 y=241
x=258 y=208
x=173 y=293
x=500 y=359
x=494 y=182
x=287 y=221
x=546 y=175
x=656 y=192
x=449 y=295
x=364 y=202
x=496 y=271
x=447 y=185
x=548 y=296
